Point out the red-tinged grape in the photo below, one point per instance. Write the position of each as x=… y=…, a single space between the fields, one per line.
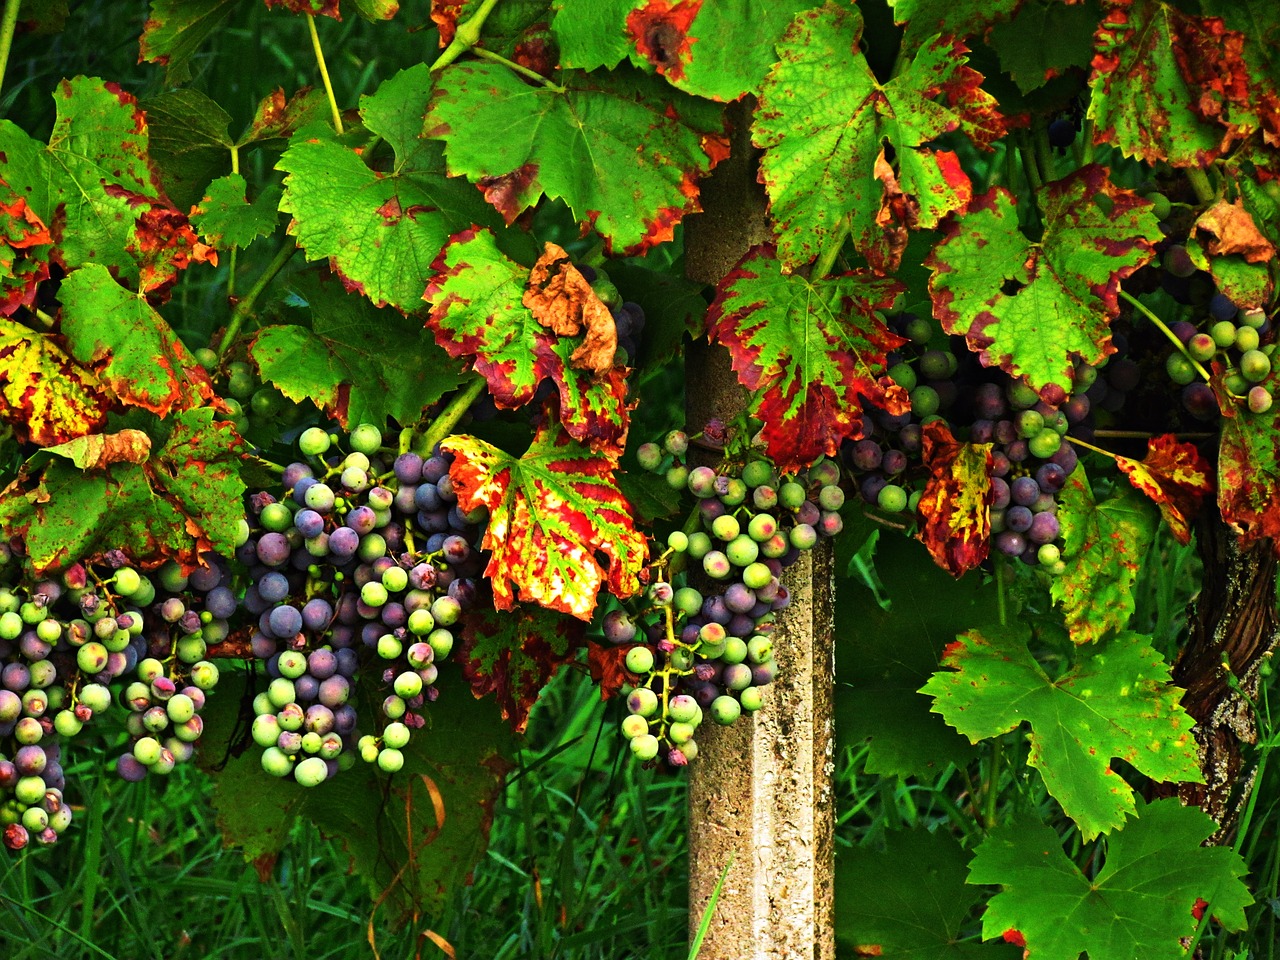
x=1259 y=399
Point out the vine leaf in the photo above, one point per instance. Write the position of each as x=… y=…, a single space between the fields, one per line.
x=176 y=29
x=608 y=666
x=1042 y=42
x=1176 y=477
x=619 y=149
x=813 y=349
x=1256 y=22
x=561 y=299
x=45 y=395
x=514 y=655
x=1228 y=228
x=312 y=8
x=226 y=218
x=592 y=33
x=1249 y=470
x=1140 y=904
x=357 y=363
x=1114 y=700
x=379 y=230
x=134 y=352
x=824 y=120
x=477 y=311
x=559 y=528
x=1103 y=548
x=956 y=503
x=1027 y=307
x=962 y=18
x=1144 y=90
x=24 y=252
x=920 y=904
x=184 y=500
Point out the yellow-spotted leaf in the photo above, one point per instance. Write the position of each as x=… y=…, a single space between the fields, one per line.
x=1176 y=477
x=956 y=504
x=45 y=395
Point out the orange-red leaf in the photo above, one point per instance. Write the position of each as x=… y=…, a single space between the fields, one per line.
x=1176 y=477
x=559 y=297
x=955 y=508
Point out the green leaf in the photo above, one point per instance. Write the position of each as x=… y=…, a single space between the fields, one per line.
x=592 y=33
x=824 y=122
x=45 y=395
x=1044 y=40
x=226 y=218
x=1139 y=904
x=886 y=655
x=1030 y=308
x=961 y=18
x=514 y=655
x=189 y=143
x=279 y=117
x=814 y=350
x=357 y=363
x=44 y=17
x=1104 y=546
x=135 y=352
x=1142 y=101
x=908 y=901
x=559 y=528
x=389 y=825
x=175 y=31
x=618 y=148
x=1113 y=700
x=183 y=501
x=380 y=230
x=477 y=311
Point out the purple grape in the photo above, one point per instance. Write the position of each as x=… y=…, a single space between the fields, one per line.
x=1005 y=432
x=1124 y=375
x=285 y=621
x=306 y=687
x=273 y=587
x=988 y=402
x=865 y=455
x=408 y=468
x=1024 y=490
x=1051 y=477
x=1002 y=493
x=362 y=520
x=1018 y=519
x=455 y=549
x=618 y=627
x=294 y=473
x=129 y=769
x=1044 y=528
x=1011 y=544
x=273 y=549
x=1066 y=458
x=739 y=598
x=1221 y=307
x=343 y=543
x=317 y=614
x=894 y=462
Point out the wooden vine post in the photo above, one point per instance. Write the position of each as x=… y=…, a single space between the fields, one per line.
x=760 y=798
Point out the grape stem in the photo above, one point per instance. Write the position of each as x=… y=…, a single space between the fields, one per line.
x=324 y=75
x=8 y=25
x=1173 y=337
x=1199 y=181
x=1144 y=435
x=450 y=415
x=1089 y=446
x=245 y=306
x=465 y=36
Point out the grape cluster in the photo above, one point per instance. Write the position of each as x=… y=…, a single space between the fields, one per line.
x=711 y=649
x=254 y=408
x=365 y=560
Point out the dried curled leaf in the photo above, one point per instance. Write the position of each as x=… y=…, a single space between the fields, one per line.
x=1227 y=228
x=560 y=298
x=98 y=450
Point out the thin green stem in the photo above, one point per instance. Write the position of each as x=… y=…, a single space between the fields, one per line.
x=1089 y=446
x=828 y=259
x=1044 y=153
x=993 y=783
x=1173 y=337
x=7 y=26
x=450 y=415
x=1199 y=180
x=1086 y=140
x=46 y=321
x=522 y=70
x=324 y=74
x=245 y=306
x=1029 y=168
x=231 y=260
x=466 y=36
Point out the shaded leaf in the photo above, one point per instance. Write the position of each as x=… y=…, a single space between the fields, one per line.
x=1114 y=699
x=962 y=18
x=1104 y=545
x=1176 y=478
x=176 y=29
x=1030 y=308
x=1045 y=40
x=1139 y=904
x=45 y=395
x=956 y=502
x=814 y=350
x=226 y=218
x=189 y=143
x=559 y=528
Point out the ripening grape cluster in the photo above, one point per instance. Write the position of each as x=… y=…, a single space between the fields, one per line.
x=364 y=562
x=710 y=650
x=253 y=407
x=69 y=646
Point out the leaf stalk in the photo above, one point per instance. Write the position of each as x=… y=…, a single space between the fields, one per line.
x=518 y=68
x=8 y=25
x=450 y=415
x=828 y=258
x=324 y=75
x=245 y=306
x=465 y=36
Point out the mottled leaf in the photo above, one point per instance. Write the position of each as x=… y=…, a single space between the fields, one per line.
x=25 y=243
x=189 y=143
x=962 y=18
x=559 y=528
x=97 y=450
x=280 y=117
x=477 y=312
x=608 y=666
x=824 y=121
x=1104 y=545
x=514 y=654
x=620 y=149
x=380 y=230
x=1249 y=469
x=176 y=29
x=955 y=506
x=1257 y=22
x=357 y=363
x=1139 y=904
x=45 y=395
x=1142 y=100
x=1113 y=699
x=312 y=8
x=1176 y=478
x=183 y=501
x=135 y=353
x=226 y=218
x=1031 y=308
x=814 y=350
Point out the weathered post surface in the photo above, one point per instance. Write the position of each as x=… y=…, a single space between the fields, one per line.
x=760 y=791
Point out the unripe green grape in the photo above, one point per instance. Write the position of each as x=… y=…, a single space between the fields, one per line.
x=759 y=649
x=1044 y=444
x=639 y=660
x=645 y=747
x=1180 y=370
x=311 y=772
x=35 y=819
x=756 y=575
x=736 y=494
x=803 y=536
x=762 y=526
x=390 y=760
x=726 y=527
x=265 y=729
x=92 y=657
x=678 y=541
x=446 y=610
x=1235 y=383
x=757 y=473
x=395 y=579
x=67 y=724
x=394 y=707
x=1160 y=205
x=660 y=593
x=680 y=659
x=1259 y=399
x=751 y=699
x=892 y=498
x=180 y=708
x=742 y=551
x=716 y=565
x=699 y=545
x=407 y=684
x=292 y=664
x=1255 y=366
x=127 y=581
x=1202 y=347
x=1254 y=317
x=776 y=546
x=420 y=622
x=276 y=762
x=95 y=696
x=702 y=482
x=396 y=736
x=441 y=641
x=389 y=646
x=711 y=633
x=682 y=708
x=688 y=601
x=149 y=670
x=642 y=702
x=676 y=443
x=650 y=456
x=677 y=477
x=366 y=439
x=30 y=790
x=764 y=497
x=1028 y=423
x=147 y=751
x=10 y=625
x=679 y=733
x=903 y=375
x=925 y=401
x=314 y=441
x=831 y=497
x=191 y=649
x=791 y=495
x=735 y=650
x=49 y=630
x=1223 y=333
x=28 y=731
x=1246 y=339
x=276 y=517
x=725 y=710
x=204 y=674
x=1048 y=554
x=373 y=593
x=281 y=691
x=634 y=725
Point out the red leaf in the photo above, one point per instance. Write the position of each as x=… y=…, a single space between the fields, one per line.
x=660 y=31
x=608 y=665
x=955 y=507
x=1176 y=477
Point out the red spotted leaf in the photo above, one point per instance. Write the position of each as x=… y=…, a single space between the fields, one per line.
x=279 y=117
x=1257 y=24
x=562 y=300
x=660 y=31
x=478 y=312
x=1176 y=477
x=45 y=395
x=955 y=507
x=560 y=530
x=514 y=654
x=824 y=119
x=1145 y=83
x=1249 y=470
x=647 y=147
x=1031 y=308
x=812 y=350
x=313 y=8
x=24 y=252
x=175 y=31
x=1104 y=545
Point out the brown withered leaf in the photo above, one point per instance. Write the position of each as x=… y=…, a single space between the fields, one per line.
x=97 y=450
x=1227 y=228
x=561 y=299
